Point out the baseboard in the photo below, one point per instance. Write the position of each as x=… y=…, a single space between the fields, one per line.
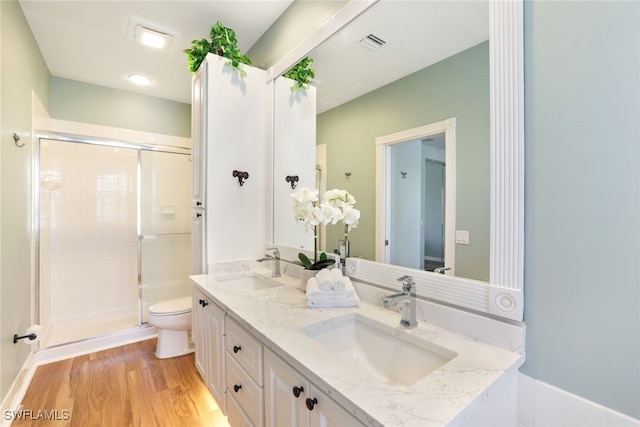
x=543 y=405
x=91 y=345
x=18 y=389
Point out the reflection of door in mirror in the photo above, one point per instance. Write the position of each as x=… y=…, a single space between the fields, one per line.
x=417 y=168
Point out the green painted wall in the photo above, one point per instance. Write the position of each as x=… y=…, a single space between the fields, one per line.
x=456 y=87
x=582 y=218
x=300 y=19
x=87 y=103
x=22 y=70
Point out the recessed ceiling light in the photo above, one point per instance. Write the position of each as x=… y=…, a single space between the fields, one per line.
x=151 y=38
x=139 y=79
x=150 y=34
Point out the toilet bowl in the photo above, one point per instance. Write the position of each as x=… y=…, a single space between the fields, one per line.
x=173 y=320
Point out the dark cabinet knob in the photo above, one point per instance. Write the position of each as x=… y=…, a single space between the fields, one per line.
x=297 y=390
x=237 y=388
x=203 y=303
x=236 y=348
x=311 y=403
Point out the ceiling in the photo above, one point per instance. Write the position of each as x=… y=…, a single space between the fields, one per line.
x=87 y=41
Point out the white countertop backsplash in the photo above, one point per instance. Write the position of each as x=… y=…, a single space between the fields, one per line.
x=443 y=397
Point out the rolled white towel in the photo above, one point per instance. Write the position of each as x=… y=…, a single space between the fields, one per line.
x=314 y=291
x=325 y=280
x=339 y=282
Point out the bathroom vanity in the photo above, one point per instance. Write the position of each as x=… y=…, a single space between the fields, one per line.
x=269 y=360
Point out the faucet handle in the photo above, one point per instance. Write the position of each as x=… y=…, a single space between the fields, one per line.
x=407 y=282
x=276 y=251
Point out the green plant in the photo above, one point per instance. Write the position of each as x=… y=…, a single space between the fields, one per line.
x=223 y=43
x=302 y=73
x=321 y=263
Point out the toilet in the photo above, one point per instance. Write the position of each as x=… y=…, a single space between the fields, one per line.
x=173 y=320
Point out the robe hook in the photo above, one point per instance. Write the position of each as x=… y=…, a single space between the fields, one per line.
x=16 y=140
x=292 y=179
x=241 y=175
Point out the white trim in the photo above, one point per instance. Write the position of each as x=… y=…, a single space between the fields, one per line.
x=383 y=143
x=348 y=13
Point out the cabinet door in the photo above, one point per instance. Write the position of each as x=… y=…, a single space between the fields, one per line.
x=327 y=413
x=199 y=333
x=214 y=318
x=282 y=407
x=208 y=330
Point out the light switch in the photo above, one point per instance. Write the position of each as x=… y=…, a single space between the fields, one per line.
x=462 y=237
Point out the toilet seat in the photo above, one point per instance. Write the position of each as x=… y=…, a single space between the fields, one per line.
x=171 y=307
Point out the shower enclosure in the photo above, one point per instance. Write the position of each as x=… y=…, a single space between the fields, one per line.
x=113 y=235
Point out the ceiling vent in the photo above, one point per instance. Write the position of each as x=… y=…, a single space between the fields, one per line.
x=372 y=41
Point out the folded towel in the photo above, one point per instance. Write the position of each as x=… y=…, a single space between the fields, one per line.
x=325 y=279
x=326 y=302
x=314 y=291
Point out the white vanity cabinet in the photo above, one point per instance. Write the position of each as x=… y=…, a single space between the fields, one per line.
x=244 y=379
x=292 y=400
x=208 y=322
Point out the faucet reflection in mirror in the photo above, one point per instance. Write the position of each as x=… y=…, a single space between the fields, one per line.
x=336 y=206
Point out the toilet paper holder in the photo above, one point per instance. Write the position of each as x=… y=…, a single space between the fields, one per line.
x=32 y=336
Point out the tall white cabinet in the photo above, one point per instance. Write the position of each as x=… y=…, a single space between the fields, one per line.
x=229 y=132
x=294 y=155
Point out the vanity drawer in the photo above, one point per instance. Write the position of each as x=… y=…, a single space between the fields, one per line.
x=235 y=415
x=248 y=394
x=244 y=349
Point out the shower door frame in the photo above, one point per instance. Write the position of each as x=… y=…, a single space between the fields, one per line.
x=90 y=140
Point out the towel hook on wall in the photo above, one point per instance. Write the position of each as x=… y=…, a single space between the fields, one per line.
x=347 y=175
x=292 y=179
x=241 y=175
x=404 y=175
x=16 y=140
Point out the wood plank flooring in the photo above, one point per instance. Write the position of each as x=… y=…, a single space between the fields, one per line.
x=119 y=387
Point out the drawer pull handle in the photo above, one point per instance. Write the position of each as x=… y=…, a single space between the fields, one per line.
x=237 y=388
x=236 y=348
x=311 y=403
x=297 y=390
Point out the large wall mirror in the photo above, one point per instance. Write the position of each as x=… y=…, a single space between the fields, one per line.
x=460 y=66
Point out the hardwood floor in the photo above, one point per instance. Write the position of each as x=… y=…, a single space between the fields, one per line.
x=119 y=387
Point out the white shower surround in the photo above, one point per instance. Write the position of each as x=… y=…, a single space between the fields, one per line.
x=67 y=309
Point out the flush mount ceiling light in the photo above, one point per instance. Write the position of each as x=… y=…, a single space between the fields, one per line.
x=151 y=38
x=372 y=41
x=139 y=79
x=150 y=34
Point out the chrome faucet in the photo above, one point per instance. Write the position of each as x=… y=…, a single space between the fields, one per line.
x=275 y=266
x=441 y=270
x=408 y=298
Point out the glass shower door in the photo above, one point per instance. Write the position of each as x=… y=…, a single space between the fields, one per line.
x=164 y=228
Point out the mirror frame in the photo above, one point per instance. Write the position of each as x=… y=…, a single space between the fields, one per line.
x=503 y=295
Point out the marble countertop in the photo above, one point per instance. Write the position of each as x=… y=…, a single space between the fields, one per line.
x=275 y=316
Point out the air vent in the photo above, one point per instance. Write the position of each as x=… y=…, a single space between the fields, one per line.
x=372 y=41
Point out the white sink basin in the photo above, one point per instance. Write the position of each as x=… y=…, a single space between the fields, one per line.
x=396 y=358
x=246 y=283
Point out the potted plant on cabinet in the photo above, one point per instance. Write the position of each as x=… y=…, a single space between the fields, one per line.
x=223 y=43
